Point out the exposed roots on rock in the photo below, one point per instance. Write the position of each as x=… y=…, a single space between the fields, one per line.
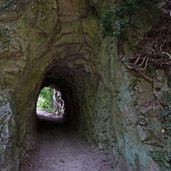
x=154 y=51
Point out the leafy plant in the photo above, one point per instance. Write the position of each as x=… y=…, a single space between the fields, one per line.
x=45 y=99
x=12 y=5
x=117 y=19
x=4 y=38
x=165 y=112
x=166 y=119
x=162 y=158
x=158 y=157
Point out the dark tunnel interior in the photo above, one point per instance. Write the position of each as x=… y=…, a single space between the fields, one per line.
x=65 y=81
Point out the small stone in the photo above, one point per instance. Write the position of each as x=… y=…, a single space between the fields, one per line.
x=163 y=131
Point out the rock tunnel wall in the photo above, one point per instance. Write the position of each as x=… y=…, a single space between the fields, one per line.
x=60 y=41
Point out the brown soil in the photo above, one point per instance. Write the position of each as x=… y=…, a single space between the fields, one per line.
x=61 y=148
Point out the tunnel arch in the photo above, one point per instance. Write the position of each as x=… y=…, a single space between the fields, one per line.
x=78 y=86
x=75 y=72
x=63 y=79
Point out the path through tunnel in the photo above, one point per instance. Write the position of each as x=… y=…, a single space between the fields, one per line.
x=59 y=80
x=66 y=82
x=60 y=144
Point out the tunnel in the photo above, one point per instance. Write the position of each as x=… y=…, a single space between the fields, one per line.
x=72 y=82
x=65 y=81
x=78 y=88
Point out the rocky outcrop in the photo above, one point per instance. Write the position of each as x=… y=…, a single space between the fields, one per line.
x=59 y=42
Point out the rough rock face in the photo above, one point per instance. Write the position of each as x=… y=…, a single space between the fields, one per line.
x=59 y=42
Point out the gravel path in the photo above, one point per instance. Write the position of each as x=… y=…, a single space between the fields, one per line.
x=61 y=148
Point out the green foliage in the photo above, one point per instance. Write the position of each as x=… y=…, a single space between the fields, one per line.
x=13 y=5
x=166 y=98
x=45 y=99
x=4 y=38
x=166 y=119
x=162 y=158
x=158 y=157
x=115 y=21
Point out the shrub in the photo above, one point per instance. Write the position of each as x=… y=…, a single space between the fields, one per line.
x=45 y=99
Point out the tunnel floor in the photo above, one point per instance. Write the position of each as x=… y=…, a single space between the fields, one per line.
x=52 y=117
x=61 y=148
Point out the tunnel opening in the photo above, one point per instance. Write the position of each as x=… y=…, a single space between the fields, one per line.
x=58 y=101
x=67 y=86
x=50 y=105
x=77 y=89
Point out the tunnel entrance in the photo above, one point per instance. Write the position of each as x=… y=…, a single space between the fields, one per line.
x=64 y=89
x=61 y=95
x=59 y=141
x=50 y=105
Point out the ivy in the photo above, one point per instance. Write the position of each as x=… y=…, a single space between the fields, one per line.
x=115 y=21
x=45 y=99
x=4 y=38
x=166 y=113
x=158 y=157
x=162 y=158
x=13 y=5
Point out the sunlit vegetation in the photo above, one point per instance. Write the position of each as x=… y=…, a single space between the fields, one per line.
x=45 y=99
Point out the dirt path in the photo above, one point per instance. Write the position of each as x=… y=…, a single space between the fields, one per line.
x=60 y=148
